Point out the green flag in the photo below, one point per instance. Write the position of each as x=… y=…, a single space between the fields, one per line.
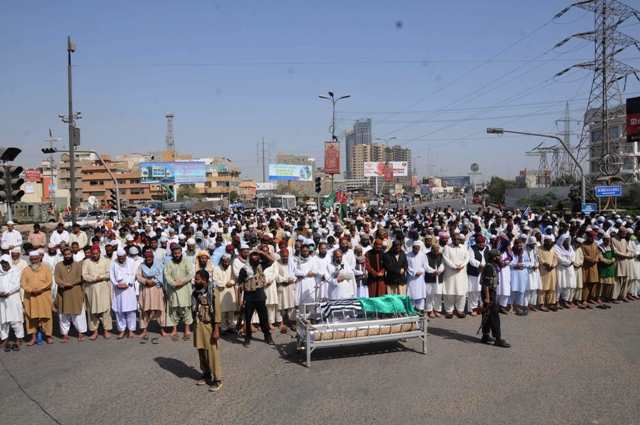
x=343 y=211
x=331 y=199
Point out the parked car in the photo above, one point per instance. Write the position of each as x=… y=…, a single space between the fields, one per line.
x=90 y=218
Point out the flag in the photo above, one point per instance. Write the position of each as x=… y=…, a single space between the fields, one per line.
x=331 y=199
x=343 y=206
x=50 y=135
x=339 y=194
x=527 y=211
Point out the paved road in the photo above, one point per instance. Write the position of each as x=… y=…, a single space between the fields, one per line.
x=572 y=367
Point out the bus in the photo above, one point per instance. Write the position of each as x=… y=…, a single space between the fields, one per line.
x=276 y=202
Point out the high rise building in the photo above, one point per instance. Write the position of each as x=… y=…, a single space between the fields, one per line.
x=374 y=152
x=360 y=135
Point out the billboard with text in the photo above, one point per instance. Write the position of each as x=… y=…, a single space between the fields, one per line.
x=302 y=173
x=376 y=169
x=173 y=172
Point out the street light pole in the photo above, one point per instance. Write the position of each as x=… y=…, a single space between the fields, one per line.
x=333 y=119
x=51 y=161
x=566 y=148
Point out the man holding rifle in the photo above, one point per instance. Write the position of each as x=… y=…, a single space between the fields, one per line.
x=491 y=316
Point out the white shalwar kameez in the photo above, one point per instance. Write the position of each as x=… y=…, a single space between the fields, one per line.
x=434 y=290
x=634 y=284
x=125 y=302
x=321 y=266
x=534 y=283
x=416 y=286
x=11 y=312
x=474 y=295
x=565 y=273
x=340 y=290
x=305 y=284
x=504 y=280
x=456 y=282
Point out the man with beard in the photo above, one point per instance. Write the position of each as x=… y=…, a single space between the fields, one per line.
x=51 y=257
x=97 y=291
x=152 y=303
x=428 y=243
x=239 y=262
x=225 y=282
x=59 y=235
x=190 y=253
x=624 y=260
x=477 y=259
x=347 y=253
x=590 y=277
x=305 y=272
x=36 y=282
x=123 y=278
x=11 y=312
x=78 y=253
x=206 y=310
x=340 y=278
x=456 y=281
x=251 y=282
x=416 y=267
x=17 y=262
x=178 y=273
x=548 y=263
x=322 y=260
x=286 y=284
x=109 y=249
x=434 y=268
x=78 y=236
x=375 y=270
x=395 y=263
x=70 y=297
x=365 y=243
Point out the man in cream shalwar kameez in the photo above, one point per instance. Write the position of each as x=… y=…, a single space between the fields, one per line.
x=97 y=292
x=225 y=283
x=286 y=284
x=456 y=281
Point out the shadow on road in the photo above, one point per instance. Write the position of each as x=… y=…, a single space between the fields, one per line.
x=178 y=368
x=449 y=334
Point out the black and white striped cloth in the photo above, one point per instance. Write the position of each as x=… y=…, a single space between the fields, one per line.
x=329 y=307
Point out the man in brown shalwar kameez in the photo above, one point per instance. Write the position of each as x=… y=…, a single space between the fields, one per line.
x=36 y=282
x=70 y=298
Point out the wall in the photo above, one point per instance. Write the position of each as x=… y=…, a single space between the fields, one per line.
x=512 y=195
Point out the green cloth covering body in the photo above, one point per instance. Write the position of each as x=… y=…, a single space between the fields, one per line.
x=389 y=304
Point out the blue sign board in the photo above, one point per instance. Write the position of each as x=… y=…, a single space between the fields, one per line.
x=588 y=208
x=604 y=191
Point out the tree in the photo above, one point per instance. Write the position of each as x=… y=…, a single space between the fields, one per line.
x=497 y=188
x=283 y=189
x=188 y=192
x=575 y=195
x=233 y=196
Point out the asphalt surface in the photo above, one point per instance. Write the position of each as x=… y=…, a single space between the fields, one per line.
x=572 y=367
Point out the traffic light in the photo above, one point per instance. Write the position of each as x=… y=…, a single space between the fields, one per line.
x=114 y=197
x=4 y=188
x=49 y=150
x=318 y=184
x=12 y=183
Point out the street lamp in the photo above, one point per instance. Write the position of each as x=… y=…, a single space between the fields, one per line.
x=71 y=47
x=333 y=101
x=501 y=131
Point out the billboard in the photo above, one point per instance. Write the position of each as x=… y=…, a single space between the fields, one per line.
x=633 y=119
x=173 y=172
x=376 y=169
x=32 y=175
x=218 y=168
x=303 y=173
x=332 y=157
x=425 y=189
x=457 y=182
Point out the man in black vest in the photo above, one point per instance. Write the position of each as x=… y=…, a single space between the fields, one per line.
x=395 y=263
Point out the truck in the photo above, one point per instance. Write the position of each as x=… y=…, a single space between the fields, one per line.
x=30 y=213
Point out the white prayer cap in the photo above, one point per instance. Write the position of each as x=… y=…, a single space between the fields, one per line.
x=244 y=245
x=287 y=234
x=547 y=237
x=301 y=238
x=163 y=239
x=152 y=234
x=182 y=236
x=5 y=258
x=522 y=236
x=384 y=243
x=416 y=243
x=16 y=249
x=133 y=251
x=129 y=238
x=10 y=222
x=34 y=254
x=606 y=236
x=121 y=253
x=114 y=243
x=531 y=239
x=191 y=241
x=51 y=245
x=580 y=240
x=226 y=256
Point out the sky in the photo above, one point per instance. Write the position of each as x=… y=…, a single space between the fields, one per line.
x=433 y=74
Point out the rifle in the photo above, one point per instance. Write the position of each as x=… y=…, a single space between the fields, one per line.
x=485 y=317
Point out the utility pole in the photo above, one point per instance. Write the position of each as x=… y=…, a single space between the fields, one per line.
x=264 y=155
x=51 y=161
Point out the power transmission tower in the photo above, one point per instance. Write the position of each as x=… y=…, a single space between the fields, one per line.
x=265 y=156
x=565 y=167
x=605 y=100
x=170 y=142
x=543 y=169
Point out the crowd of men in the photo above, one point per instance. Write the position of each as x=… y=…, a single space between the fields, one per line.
x=268 y=265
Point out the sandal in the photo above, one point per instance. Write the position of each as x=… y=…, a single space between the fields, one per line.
x=449 y=316
x=175 y=338
x=7 y=347
x=186 y=337
x=155 y=340
x=15 y=347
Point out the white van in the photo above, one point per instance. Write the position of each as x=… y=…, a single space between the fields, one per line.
x=311 y=206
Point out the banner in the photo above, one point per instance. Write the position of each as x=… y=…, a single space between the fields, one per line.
x=173 y=172
x=303 y=173
x=32 y=175
x=376 y=169
x=387 y=170
x=332 y=157
x=425 y=189
x=52 y=189
x=458 y=182
x=414 y=182
x=633 y=119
